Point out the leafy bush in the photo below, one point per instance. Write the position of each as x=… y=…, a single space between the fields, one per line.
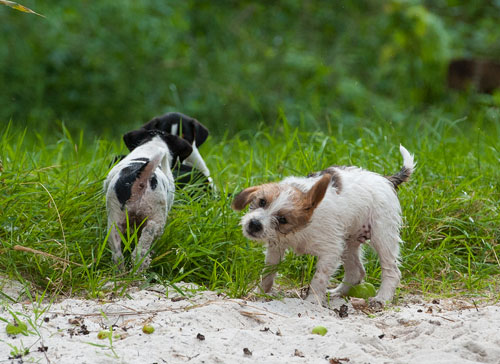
x=109 y=65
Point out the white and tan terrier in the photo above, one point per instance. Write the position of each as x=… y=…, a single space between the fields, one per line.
x=329 y=214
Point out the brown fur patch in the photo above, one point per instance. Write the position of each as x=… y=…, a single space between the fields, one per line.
x=315 y=195
x=253 y=195
x=296 y=218
x=135 y=221
x=304 y=206
x=243 y=198
x=266 y=194
x=140 y=184
x=402 y=176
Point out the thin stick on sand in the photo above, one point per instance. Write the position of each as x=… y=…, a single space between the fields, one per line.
x=39 y=252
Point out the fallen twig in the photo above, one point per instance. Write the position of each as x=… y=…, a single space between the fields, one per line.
x=39 y=252
x=152 y=312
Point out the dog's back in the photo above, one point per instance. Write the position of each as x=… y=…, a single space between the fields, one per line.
x=356 y=195
x=138 y=187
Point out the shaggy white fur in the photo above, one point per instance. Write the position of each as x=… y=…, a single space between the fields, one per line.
x=330 y=220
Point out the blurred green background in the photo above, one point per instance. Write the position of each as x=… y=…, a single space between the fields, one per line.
x=106 y=66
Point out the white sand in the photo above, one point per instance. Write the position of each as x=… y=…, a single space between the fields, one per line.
x=278 y=331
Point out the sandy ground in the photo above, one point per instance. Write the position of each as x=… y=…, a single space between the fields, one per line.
x=207 y=328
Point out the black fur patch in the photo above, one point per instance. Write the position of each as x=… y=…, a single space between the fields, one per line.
x=402 y=176
x=153 y=181
x=142 y=159
x=135 y=138
x=189 y=128
x=179 y=148
x=336 y=180
x=128 y=175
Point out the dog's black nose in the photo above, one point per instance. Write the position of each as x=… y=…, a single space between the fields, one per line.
x=254 y=226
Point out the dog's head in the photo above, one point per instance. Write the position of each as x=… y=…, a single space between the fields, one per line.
x=179 y=124
x=278 y=209
x=179 y=148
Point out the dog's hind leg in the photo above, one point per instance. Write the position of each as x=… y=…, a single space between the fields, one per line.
x=141 y=253
x=385 y=240
x=354 y=271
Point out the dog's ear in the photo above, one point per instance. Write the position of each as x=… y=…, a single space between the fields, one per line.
x=179 y=147
x=200 y=133
x=137 y=137
x=192 y=130
x=315 y=195
x=154 y=123
x=167 y=123
x=243 y=198
x=182 y=125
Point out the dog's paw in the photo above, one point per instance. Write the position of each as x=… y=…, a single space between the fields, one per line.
x=120 y=267
x=337 y=293
x=311 y=299
x=317 y=300
x=375 y=304
x=259 y=291
x=304 y=292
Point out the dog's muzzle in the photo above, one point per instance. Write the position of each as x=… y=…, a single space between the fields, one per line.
x=254 y=227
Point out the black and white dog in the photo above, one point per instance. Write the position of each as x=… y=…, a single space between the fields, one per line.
x=188 y=129
x=140 y=190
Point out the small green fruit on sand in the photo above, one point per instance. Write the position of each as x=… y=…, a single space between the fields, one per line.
x=320 y=330
x=148 y=329
x=17 y=328
x=101 y=335
x=364 y=290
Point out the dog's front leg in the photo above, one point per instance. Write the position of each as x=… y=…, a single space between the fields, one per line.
x=115 y=244
x=142 y=252
x=354 y=271
x=325 y=267
x=195 y=160
x=274 y=255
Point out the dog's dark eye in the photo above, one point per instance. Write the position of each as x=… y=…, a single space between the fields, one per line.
x=262 y=203
x=282 y=220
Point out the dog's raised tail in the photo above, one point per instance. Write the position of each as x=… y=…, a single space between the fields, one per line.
x=144 y=176
x=408 y=167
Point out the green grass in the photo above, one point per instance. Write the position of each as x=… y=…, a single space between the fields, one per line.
x=51 y=200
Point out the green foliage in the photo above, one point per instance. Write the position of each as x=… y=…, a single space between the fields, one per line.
x=51 y=201
x=109 y=65
x=285 y=88
x=417 y=48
